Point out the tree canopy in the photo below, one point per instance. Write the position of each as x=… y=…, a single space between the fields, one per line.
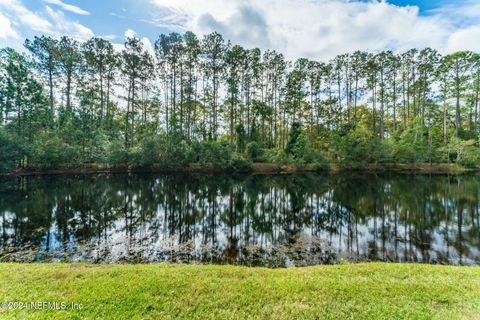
x=65 y=103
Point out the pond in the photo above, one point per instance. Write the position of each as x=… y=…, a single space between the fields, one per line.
x=255 y=220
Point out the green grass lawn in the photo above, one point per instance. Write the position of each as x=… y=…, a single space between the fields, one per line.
x=165 y=291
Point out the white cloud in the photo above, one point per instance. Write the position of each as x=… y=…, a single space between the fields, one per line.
x=318 y=29
x=109 y=37
x=68 y=7
x=147 y=44
x=118 y=47
x=17 y=22
x=64 y=26
x=464 y=39
x=129 y=34
x=22 y=17
x=6 y=30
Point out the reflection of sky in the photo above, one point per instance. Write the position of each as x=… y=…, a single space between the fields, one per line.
x=153 y=237
x=325 y=202
x=52 y=245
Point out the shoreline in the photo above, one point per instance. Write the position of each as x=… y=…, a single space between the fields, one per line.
x=257 y=168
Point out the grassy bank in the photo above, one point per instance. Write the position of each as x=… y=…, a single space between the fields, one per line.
x=258 y=168
x=388 y=167
x=355 y=291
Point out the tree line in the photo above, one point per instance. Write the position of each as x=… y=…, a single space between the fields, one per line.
x=192 y=99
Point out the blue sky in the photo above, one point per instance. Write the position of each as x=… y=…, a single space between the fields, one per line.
x=422 y=4
x=307 y=28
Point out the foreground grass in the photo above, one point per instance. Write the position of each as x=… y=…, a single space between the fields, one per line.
x=158 y=291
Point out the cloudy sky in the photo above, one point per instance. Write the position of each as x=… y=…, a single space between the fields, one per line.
x=299 y=28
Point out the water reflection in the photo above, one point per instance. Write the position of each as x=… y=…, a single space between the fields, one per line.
x=253 y=220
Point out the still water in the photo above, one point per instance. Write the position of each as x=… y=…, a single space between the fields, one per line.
x=267 y=220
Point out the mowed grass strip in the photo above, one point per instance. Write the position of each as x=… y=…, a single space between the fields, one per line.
x=168 y=291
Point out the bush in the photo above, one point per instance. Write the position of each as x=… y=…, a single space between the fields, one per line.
x=383 y=151
x=50 y=151
x=213 y=154
x=463 y=152
x=412 y=147
x=119 y=156
x=314 y=159
x=254 y=151
x=239 y=163
x=168 y=152
x=148 y=153
x=163 y=151
x=11 y=151
x=356 y=148
x=294 y=133
x=470 y=157
x=96 y=150
x=277 y=156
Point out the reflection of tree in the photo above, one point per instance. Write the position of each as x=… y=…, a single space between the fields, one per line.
x=383 y=216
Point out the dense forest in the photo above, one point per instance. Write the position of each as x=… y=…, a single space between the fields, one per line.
x=206 y=103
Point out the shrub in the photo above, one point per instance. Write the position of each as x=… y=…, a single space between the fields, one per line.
x=313 y=159
x=96 y=150
x=463 y=152
x=118 y=156
x=277 y=156
x=470 y=157
x=213 y=154
x=412 y=147
x=356 y=148
x=11 y=151
x=163 y=151
x=239 y=163
x=382 y=151
x=295 y=132
x=254 y=150
x=50 y=151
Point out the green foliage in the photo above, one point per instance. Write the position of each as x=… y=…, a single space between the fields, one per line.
x=95 y=151
x=118 y=156
x=239 y=163
x=359 y=147
x=11 y=151
x=421 y=107
x=277 y=156
x=298 y=146
x=412 y=147
x=51 y=151
x=161 y=151
x=164 y=152
x=152 y=151
x=470 y=158
x=294 y=133
x=213 y=154
x=299 y=151
x=254 y=151
x=463 y=152
x=241 y=138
